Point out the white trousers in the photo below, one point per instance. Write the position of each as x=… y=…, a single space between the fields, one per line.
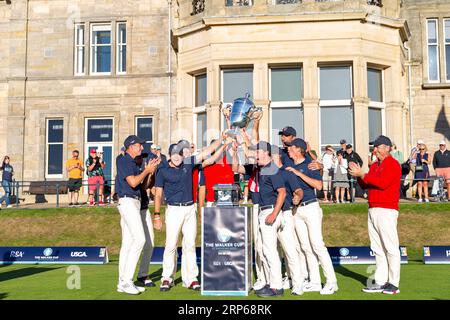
x=289 y=218
x=184 y=220
x=385 y=244
x=149 y=245
x=133 y=237
x=260 y=261
x=285 y=232
x=308 y=225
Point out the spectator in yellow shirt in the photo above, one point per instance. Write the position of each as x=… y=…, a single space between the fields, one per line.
x=75 y=169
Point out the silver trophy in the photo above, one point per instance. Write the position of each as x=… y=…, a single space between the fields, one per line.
x=241 y=113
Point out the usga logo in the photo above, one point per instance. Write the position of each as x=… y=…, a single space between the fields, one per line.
x=48 y=252
x=78 y=254
x=223 y=235
x=344 y=252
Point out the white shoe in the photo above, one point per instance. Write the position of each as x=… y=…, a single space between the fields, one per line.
x=10 y=205
x=127 y=287
x=426 y=200
x=287 y=284
x=297 y=291
x=420 y=200
x=259 y=284
x=140 y=289
x=312 y=287
x=329 y=288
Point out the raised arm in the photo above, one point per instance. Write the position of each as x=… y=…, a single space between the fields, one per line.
x=209 y=149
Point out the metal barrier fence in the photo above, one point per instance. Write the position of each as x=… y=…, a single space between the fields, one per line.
x=59 y=188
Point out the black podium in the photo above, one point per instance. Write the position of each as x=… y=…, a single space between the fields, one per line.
x=226 y=257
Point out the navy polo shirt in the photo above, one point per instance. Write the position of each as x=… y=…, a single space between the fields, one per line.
x=126 y=166
x=291 y=183
x=308 y=191
x=7 y=172
x=177 y=181
x=270 y=180
x=249 y=168
x=285 y=159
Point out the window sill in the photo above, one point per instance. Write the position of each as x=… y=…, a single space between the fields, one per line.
x=436 y=85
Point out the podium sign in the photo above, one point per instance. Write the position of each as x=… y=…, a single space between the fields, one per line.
x=226 y=251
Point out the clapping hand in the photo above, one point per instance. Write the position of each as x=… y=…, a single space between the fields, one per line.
x=355 y=170
x=151 y=166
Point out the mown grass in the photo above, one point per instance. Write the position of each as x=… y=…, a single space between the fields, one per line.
x=343 y=225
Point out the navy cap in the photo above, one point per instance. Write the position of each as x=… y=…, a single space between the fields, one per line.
x=297 y=142
x=262 y=145
x=132 y=140
x=381 y=140
x=348 y=146
x=288 y=131
x=183 y=144
x=274 y=149
x=175 y=148
x=343 y=141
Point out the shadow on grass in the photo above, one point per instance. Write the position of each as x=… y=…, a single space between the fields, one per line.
x=3 y=296
x=20 y=273
x=350 y=274
x=156 y=276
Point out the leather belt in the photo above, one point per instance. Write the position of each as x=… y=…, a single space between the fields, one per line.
x=181 y=204
x=266 y=207
x=307 y=202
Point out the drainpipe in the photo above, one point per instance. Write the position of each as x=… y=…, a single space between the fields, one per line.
x=169 y=69
x=410 y=104
x=25 y=90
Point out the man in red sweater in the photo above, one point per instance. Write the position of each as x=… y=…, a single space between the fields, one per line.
x=383 y=183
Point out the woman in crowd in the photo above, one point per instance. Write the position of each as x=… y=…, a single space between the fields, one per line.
x=341 y=184
x=328 y=172
x=7 y=175
x=422 y=173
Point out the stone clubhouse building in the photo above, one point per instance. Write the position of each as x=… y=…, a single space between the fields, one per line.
x=76 y=74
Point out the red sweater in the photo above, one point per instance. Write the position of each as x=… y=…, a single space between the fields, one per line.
x=218 y=173
x=383 y=183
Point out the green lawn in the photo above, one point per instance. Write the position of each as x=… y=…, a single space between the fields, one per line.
x=344 y=225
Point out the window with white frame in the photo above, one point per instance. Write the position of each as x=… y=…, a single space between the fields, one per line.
x=79 y=49
x=286 y=93
x=447 y=48
x=376 y=102
x=144 y=130
x=100 y=49
x=121 y=51
x=199 y=112
x=235 y=84
x=336 y=112
x=54 y=150
x=433 y=50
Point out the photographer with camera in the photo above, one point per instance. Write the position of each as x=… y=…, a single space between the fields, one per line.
x=95 y=166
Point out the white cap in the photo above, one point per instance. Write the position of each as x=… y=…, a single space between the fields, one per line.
x=420 y=141
x=100 y=150
x=442 y=142
x=153 y=146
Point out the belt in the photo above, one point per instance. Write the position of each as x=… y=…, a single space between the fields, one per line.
x=307 y=202
x=288 y=208
x=181 y=204
x=266 y=207
x=132 y=197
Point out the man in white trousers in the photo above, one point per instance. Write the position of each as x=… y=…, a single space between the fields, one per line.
x=383 y=183
x=308 y=221
x=180 y=216
x=128 y=184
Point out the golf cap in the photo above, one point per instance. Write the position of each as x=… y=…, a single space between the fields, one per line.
x=343 y=141
x=287 y=131
x=349 y=146
x=175 y=148
x=153 y=146
x=93 y=150
x=382 y=140
x=299 y=143
x=420 y=141
x=123 y=149
x=262 y=145
x=274 y=149
x=158 y=147
x=130 y=140
x=442 y=142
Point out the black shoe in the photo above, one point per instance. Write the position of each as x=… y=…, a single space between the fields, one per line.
x=375 y=288
x=70 y=204
x=269 y=292
x=76 y=204
x=391 y=289
x=146 y=281
x=263 y=289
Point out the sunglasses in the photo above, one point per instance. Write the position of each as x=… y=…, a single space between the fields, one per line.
x=421 y=149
